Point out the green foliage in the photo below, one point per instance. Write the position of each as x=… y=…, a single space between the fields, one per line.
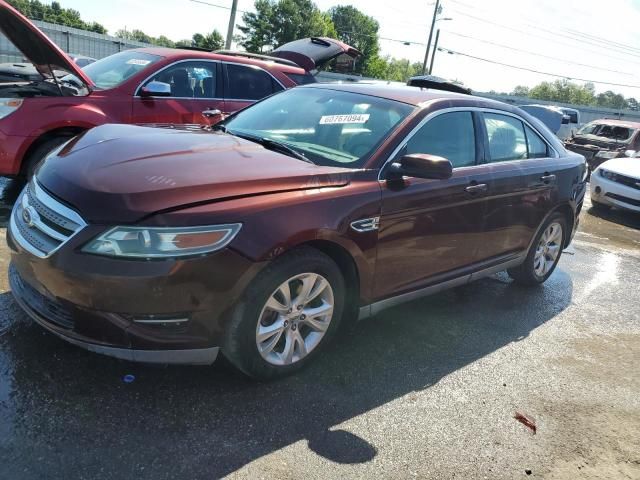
x=212 y=41
x=564 y=91
x=54 y=13
x=276 y=22
x=360 y=31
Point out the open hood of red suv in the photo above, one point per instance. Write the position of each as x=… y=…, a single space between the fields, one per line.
x=116 y=174
x=311 y=53
x=45 y=55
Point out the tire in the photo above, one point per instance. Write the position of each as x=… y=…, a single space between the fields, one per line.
x=31 y=163
x=531 y=272
x=600 y=206
x=252 y=315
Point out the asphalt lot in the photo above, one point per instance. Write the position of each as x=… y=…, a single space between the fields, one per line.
x=426 y=390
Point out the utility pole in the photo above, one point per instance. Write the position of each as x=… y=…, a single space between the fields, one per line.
x=433 y=22
x=232 y=24
x=435 y=50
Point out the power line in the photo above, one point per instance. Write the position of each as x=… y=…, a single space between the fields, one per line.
x=568 y=32
x=216 y=5
x=521 y=32
x=569 y=77
x=535 y=53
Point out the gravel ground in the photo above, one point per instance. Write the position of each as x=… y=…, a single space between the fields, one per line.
x=426 y=390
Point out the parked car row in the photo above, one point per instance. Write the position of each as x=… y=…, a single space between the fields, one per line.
x=141 y=86
x=258 y=237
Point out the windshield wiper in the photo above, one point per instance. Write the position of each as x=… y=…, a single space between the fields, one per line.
x=270 y=144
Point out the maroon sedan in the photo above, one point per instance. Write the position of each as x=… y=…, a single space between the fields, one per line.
x=314 y=206
x=141 y=86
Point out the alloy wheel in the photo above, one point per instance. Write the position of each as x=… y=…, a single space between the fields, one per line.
x=294 y=319
x=548 y=249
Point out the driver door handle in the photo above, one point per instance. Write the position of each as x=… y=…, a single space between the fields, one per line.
x=477 y=188
x=211 y=112
x=546 y=178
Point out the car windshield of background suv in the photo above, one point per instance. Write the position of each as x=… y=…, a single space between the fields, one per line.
x=328 y=127
x=113 y=70
x=614 y=132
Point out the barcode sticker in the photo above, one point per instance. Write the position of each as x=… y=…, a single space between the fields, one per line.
x=342 y=119
x=138 y=61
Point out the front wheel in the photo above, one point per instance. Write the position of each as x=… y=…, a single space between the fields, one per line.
x=288 y=314
x=544 y=253
x=40 y=153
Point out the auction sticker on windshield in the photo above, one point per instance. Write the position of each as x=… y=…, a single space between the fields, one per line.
x=138 y=61
x=342 y=119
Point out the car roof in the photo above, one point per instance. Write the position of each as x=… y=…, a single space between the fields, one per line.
x=617 y=123
x=411 y=95
x=178 y=54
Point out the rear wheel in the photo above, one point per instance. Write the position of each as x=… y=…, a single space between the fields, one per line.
x=288 y=314
x=31 y=163
x=544 y=253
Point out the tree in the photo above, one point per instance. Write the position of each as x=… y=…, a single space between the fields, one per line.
x=212 y=41
x=55 y=13
x=521 y=91
x=276 y=22
x=360 y=31
x=257 y=31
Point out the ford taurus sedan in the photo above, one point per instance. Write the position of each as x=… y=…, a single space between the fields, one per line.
x=313 y=207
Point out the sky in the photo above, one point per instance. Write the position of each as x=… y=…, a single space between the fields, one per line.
x=576 y=39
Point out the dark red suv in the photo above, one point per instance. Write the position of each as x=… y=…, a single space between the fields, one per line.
x=257 y=238
x=142 y=86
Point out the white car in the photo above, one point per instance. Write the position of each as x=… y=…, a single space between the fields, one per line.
x=616 y=183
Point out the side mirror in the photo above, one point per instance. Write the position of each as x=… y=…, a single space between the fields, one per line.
x=422 y=165
x=156 y=89
x=632 y=153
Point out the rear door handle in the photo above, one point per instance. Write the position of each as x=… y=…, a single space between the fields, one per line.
x=477 y=188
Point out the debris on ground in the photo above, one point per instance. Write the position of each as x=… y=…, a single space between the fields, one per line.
x=129 y=378
x=526 y=421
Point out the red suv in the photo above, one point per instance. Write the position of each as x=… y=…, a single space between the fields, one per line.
x=142 y=86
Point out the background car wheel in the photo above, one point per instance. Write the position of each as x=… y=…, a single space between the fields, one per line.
x=34 y=159
x=287 y=315
x=599 y=206
x=544 y=254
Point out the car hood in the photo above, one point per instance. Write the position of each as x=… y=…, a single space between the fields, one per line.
x=45 y=55
x=629 y=167
x=123 y=173
x=311 y=53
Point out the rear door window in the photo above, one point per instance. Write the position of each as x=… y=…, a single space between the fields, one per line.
x=506 y=136
x=249 y=83
x=536 y=147
x=450 y=135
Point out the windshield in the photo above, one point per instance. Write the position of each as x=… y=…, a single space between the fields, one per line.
x=614 y=132
x=328 y=127
x=113 y=70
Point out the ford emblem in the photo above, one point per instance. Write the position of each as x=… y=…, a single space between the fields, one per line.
x=29 y=216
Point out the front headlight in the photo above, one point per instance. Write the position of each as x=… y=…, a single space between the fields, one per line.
x=9 y=105
x=162 y=242
x=607 y=174
x=607 y=154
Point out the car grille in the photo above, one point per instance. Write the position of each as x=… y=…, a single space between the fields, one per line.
x=622 y=198
x=628 y=181
x=47 y=308
x=40 y=223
